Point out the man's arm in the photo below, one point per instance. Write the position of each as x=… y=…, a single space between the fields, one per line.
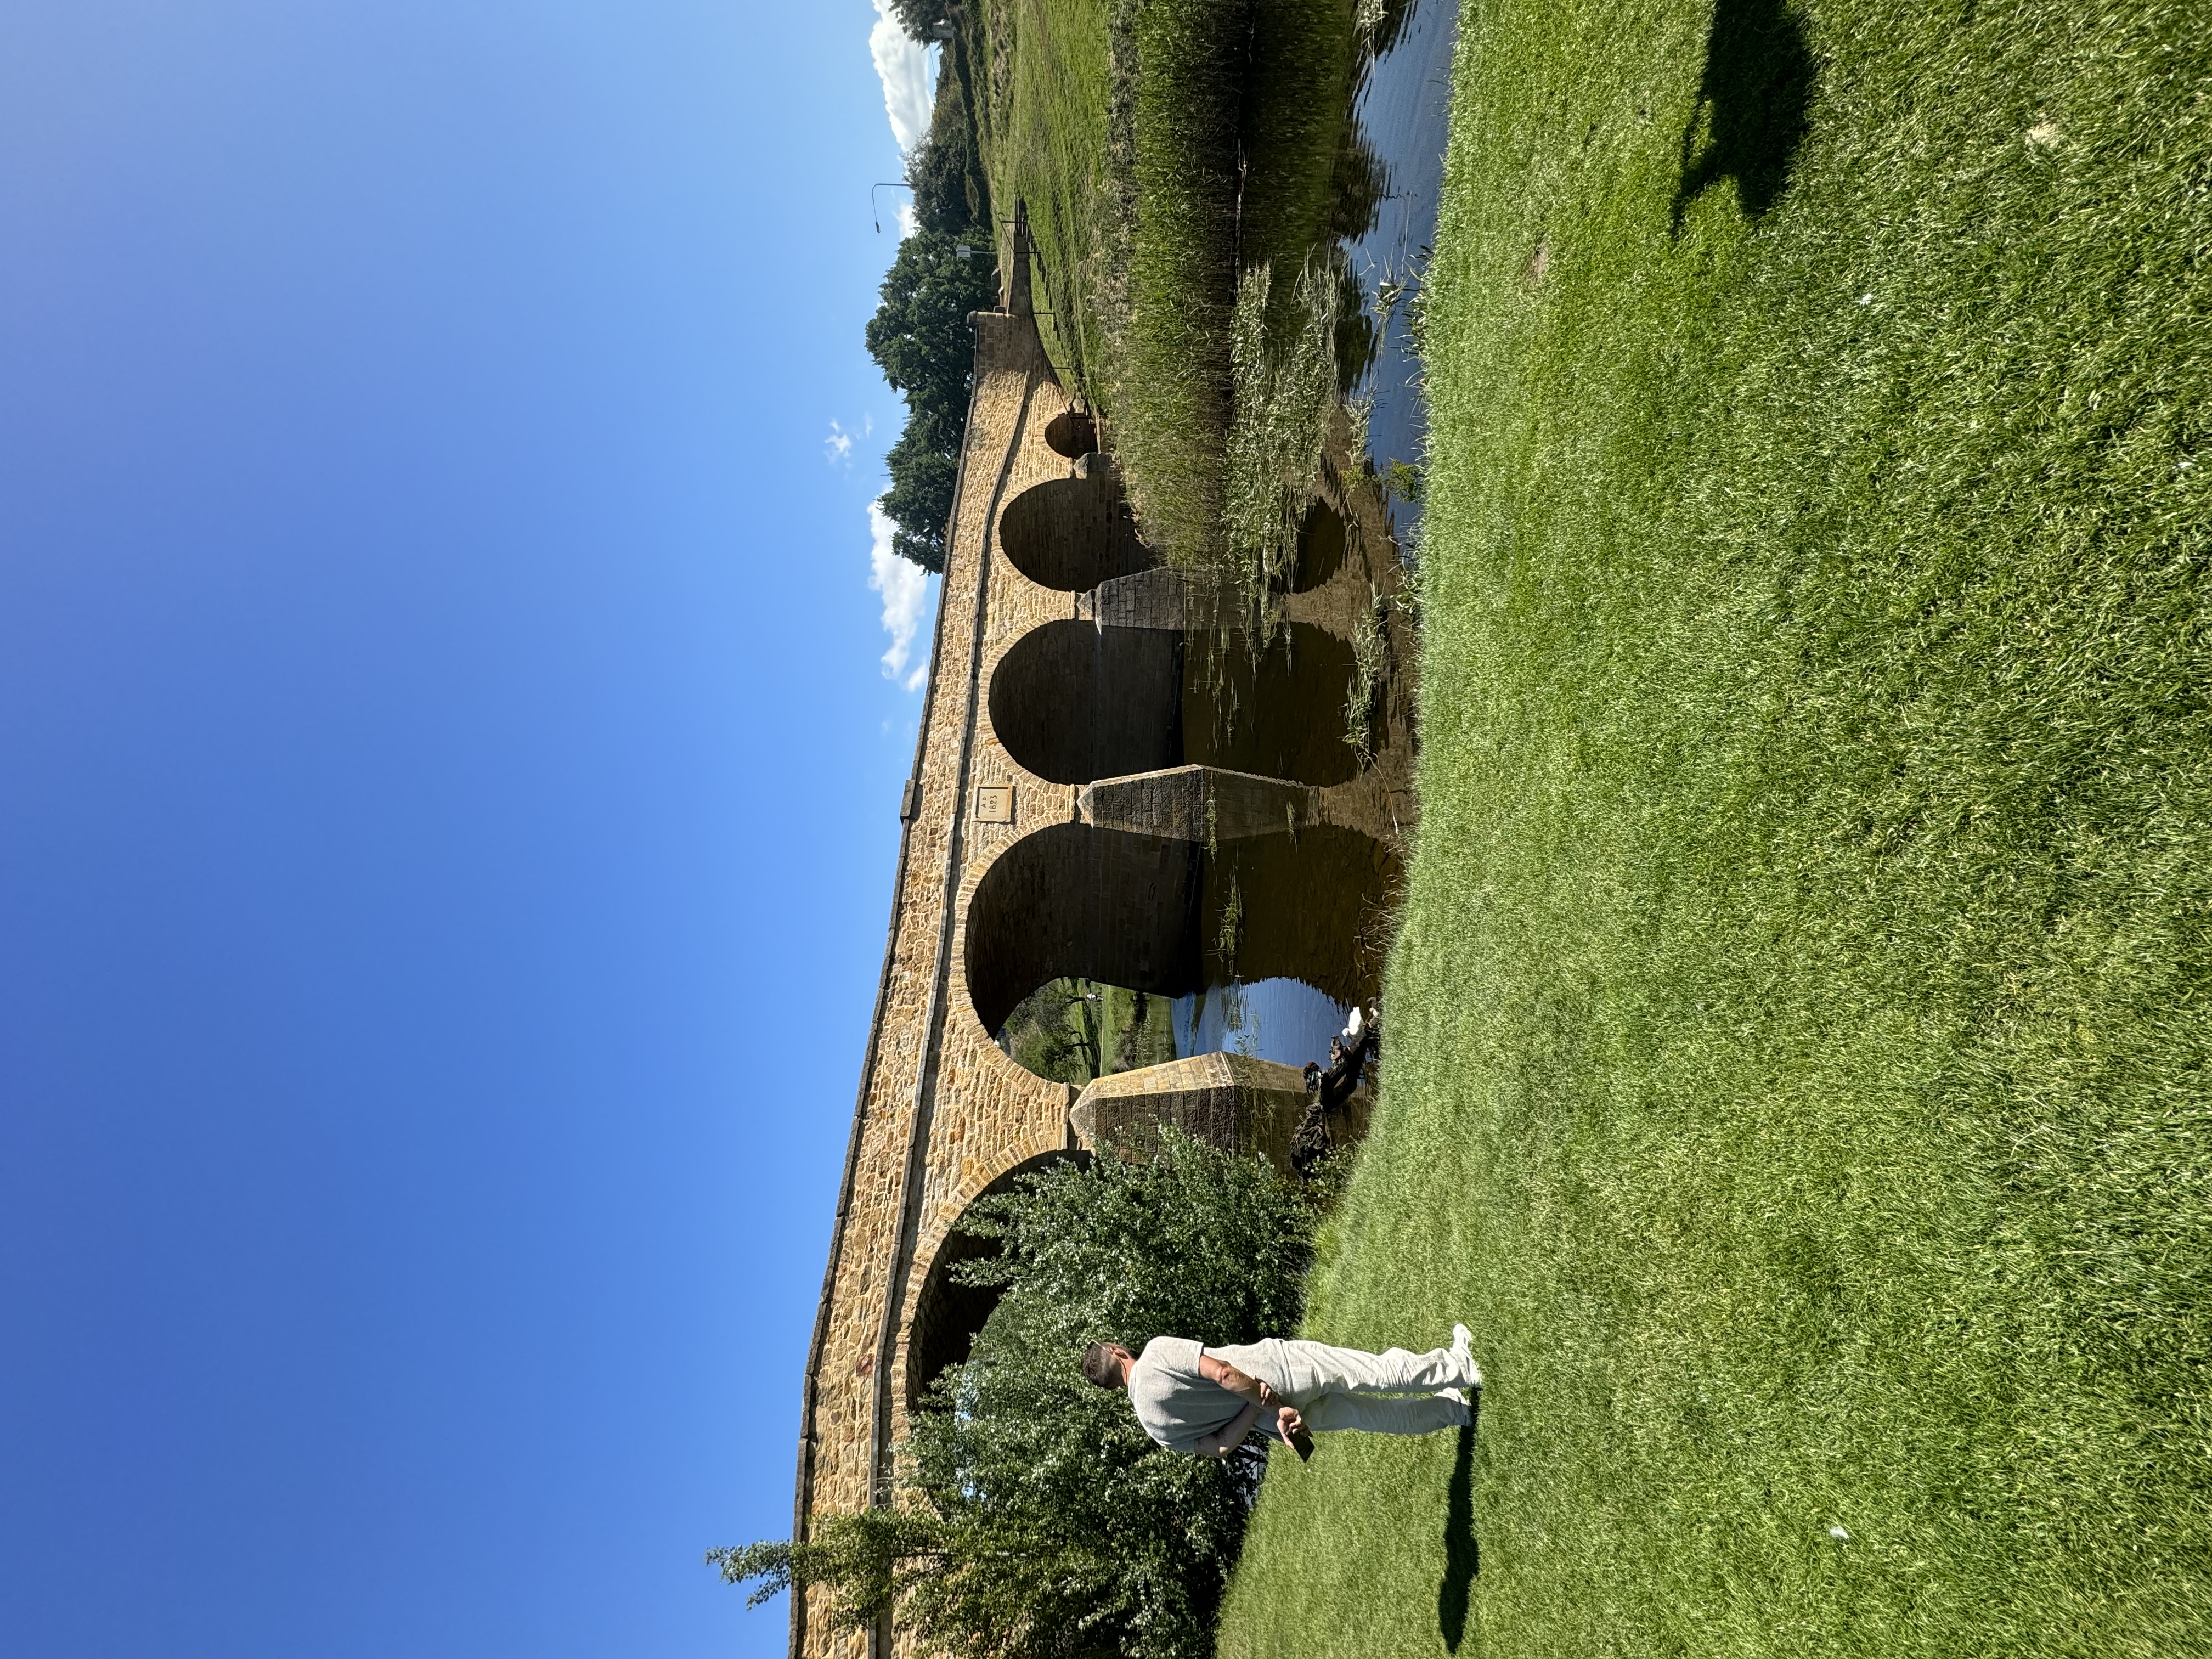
x=1222 y=1373
x=1232 y=1434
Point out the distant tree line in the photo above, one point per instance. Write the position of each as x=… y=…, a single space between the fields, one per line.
x=919 y=335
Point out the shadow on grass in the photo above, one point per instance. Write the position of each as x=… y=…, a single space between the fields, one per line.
x=1462 y=1554
x=1752 y=105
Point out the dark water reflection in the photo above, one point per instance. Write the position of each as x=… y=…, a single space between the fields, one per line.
x=1403 y=109
x=1388 y=184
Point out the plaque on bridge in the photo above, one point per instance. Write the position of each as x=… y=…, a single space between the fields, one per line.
x=995 y=802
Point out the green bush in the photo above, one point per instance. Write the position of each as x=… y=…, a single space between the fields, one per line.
x=1035 y=1518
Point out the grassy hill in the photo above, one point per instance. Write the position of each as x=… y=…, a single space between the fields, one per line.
x=1043 y=114
x=1795 y=1065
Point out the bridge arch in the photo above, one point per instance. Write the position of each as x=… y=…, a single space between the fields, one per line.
x=1069 y=900
x=1072 y=534
x=1072 y=433
x=1152 y=913
x=1276 y=714
x=949 y=1315
x=1073 y=702
x=1312 y=906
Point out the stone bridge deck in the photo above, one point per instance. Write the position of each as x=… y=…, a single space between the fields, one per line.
x=1083 y=801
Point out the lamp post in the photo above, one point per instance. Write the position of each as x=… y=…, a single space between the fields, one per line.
x=876 y=212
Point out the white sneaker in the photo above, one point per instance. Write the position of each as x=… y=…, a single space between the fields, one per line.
x=1462 y=1346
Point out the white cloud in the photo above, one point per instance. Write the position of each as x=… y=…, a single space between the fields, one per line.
x=905 y=587
x=904 y=66
x=838 y=446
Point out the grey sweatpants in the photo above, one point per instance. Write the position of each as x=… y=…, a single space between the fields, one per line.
x=1390 y=1393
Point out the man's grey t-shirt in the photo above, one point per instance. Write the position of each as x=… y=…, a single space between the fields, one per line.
x=1177 y=1405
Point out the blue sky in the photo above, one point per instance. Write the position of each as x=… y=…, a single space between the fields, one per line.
x=448 y=774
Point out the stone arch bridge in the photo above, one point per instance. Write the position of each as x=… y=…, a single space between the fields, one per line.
x=1107 y=785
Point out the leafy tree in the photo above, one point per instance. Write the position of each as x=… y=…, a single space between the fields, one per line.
x=922 y=340
x=919 y=503
x=950 y=192
x=1055 y=1031
x=915 y=17
x=1189 y=1241
x=863 y=1555
x=1035 y=1518
x=921 y=335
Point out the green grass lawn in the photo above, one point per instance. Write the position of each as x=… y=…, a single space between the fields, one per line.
x=1044 y=141
x=1795 y=1048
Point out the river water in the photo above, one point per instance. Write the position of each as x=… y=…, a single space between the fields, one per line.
x=1404 y=110
x=1280 y=1019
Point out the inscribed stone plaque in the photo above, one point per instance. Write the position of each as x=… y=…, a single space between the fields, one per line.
x=995 y=802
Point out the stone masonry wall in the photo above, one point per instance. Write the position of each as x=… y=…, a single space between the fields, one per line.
x=931 y=1137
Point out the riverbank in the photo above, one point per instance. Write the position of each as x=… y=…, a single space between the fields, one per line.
x=1183 y=166
x=1797 y=1033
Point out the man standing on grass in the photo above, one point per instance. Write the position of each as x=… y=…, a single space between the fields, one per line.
x=1201 y=1401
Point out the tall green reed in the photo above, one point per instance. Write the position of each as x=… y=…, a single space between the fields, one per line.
x=1237 y=128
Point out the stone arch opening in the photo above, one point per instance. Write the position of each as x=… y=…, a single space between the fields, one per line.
x=1073 y=534
x=1072 y=900
x=949 y=1315
x=1072 y=433
x=1279 y=713
x=1074 y=702
x=1167 y=917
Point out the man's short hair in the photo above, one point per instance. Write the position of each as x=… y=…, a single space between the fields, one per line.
x=1101 y=1363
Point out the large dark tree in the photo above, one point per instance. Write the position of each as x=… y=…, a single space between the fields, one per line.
x=921 y=339
x=916 y=16
x=919 y=503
